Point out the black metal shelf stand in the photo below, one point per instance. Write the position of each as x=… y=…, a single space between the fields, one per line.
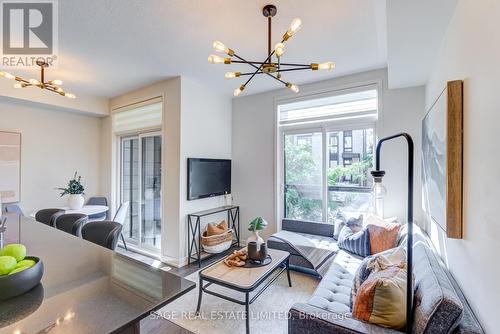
x=195 y=253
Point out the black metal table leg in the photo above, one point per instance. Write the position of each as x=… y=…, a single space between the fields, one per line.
x=247 y=311
x=199 y=296
x=288 y=272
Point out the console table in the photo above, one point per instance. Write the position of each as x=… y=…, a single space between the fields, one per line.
x=195 y=253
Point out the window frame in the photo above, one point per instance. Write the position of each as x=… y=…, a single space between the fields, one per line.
x=325 y=126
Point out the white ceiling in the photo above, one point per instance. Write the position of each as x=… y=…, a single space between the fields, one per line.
x=110 y=47
x=415 y=30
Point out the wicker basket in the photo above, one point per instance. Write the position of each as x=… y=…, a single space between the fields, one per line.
x=217 y=243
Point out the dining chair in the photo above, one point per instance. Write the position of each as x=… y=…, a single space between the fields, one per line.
x=120 y=217
x=13 y=208
x=47 y=216
x=98 y=201
x=103 y=233
x=71 y=223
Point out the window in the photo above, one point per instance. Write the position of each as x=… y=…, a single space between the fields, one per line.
x=327 y=157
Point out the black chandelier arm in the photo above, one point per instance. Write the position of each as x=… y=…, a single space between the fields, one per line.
x=263 y=63
x=278 y=71
x=257 y=71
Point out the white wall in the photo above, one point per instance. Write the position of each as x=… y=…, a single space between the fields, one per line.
x=205 y=133
x=196 y=123
x=55 y=144
x=470 y=51
x=254 y=145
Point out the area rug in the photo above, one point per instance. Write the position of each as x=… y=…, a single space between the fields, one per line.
x=268 y=313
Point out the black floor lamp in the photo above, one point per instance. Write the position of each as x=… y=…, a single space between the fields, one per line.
x=377 y=177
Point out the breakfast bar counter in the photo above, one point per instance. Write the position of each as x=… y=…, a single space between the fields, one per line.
x=85 y=288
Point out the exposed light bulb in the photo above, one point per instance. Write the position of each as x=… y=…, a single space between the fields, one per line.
x=294 y=27
x=326 y=66
x=7 y=75
x=34 y=82
x=220 y=47
x=294 y=88
x=238 y=90
x=214 y=59
x=57 y=82
x=71 y=96
x=232 y=75
x=279 y=49
x=18 y=85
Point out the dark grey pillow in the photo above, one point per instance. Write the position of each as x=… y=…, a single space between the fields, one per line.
x=354 y=242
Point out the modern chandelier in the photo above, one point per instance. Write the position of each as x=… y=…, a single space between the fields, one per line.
x=268 y=66
x=51 y=85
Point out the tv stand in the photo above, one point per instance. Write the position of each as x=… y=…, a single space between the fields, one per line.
x=195 y=253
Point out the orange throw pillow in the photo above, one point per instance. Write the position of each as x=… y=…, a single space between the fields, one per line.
x=383 y=234
x=381 y=299
x=216 y=230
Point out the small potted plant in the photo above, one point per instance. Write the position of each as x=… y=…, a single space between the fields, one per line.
x=256 y=225
x=75 y=190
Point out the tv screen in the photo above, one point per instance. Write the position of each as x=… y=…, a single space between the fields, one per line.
x=208 y=177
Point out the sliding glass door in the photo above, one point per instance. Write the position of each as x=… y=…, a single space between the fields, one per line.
x=141 y=186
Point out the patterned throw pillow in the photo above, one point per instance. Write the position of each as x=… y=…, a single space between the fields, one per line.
x=341 y=220
x=374 y=263
x=383 y=234
x=381 y=299
x=354 y=242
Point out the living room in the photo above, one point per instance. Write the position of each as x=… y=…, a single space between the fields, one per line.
x=146 y=189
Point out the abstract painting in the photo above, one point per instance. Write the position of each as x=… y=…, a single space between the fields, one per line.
x=10 y=166
x=442 y=130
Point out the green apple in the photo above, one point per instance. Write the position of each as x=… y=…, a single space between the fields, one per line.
x=25 y=263
x=17 y=269
x=7 y=263
x=17 y=251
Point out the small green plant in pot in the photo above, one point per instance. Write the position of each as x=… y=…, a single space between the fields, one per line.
x=75 y=190
x=256 y=225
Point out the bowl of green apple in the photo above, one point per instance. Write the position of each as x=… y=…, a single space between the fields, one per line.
x=18 y=273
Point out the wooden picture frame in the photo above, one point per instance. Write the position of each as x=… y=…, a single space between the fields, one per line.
x=442 y=160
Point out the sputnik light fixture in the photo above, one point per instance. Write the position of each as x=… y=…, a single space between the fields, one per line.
x=273 y=68
x=51 y=85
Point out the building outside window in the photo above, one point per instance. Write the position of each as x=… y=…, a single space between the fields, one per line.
x=327 y=154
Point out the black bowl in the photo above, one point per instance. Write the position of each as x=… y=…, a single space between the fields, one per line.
x=21 y=282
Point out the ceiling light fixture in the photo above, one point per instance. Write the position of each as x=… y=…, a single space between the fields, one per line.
x=268 y=66
x=51 y=85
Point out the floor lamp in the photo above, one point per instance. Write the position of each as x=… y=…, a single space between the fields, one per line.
x=379 y=190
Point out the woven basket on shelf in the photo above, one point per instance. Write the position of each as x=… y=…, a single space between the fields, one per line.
x=217 y=243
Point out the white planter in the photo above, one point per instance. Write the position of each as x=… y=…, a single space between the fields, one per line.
x=75 y=202
x=255 y=237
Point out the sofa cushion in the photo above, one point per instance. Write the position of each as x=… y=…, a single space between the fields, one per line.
x=340 y=220
x=355 y=242
x=334 y=290
x=383 y=234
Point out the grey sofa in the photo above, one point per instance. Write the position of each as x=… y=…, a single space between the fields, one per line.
x=328 y=309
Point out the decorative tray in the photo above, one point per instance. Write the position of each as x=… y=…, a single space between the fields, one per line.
x=253 y=264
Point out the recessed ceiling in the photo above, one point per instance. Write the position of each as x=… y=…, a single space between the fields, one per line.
x=110 y=47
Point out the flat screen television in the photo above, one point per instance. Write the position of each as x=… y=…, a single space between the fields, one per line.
x=208 y=178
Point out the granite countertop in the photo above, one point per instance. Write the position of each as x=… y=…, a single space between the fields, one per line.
x=85 y=288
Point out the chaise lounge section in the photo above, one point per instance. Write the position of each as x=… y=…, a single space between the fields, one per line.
x=440 y=306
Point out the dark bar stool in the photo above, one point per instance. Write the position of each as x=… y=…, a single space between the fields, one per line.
x=103 y=233
x=71 y=223
x=47 y=216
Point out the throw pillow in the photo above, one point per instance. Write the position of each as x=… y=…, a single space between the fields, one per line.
x=383 y=234
x=381 y=299
x=341 y=220
x=216 y=230
x=374 y=263
x=354 y=242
